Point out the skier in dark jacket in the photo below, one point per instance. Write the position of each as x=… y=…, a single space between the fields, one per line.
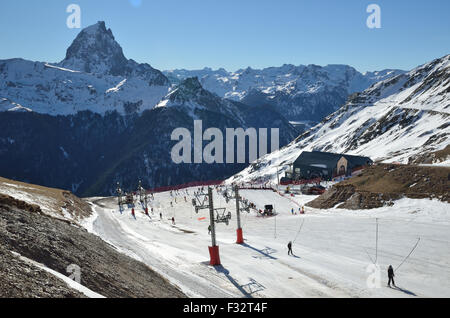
x=290 y=249
x=209 y=229
x=391 y=276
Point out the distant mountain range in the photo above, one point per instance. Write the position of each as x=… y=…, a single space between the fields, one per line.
x=300 y=93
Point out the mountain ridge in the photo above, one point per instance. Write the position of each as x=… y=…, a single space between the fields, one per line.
x=409 y=112
x=299 y=92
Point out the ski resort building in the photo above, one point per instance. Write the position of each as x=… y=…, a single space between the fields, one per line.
x=325 y=165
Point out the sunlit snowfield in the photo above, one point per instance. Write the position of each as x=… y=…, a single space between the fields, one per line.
x=332 y=250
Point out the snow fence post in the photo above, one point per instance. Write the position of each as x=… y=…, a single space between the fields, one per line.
x=214 y=249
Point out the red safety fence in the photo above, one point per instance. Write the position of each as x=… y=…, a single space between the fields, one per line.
x=185 y=185
x=300 y=182
x=255 y=188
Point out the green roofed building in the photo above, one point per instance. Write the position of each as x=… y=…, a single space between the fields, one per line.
x=325 y=165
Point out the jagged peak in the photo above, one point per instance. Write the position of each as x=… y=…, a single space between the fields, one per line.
x=95 y=50
x=100 y=26
x=189 y=89
x=191 y=84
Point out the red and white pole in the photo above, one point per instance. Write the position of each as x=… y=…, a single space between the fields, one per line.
x=214 y=249
x=240 y=235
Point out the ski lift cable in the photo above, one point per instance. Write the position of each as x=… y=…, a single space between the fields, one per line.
x=371 y=259
x=299 y=230
x=415 y=246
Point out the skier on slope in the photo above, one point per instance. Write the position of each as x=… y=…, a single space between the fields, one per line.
x=209 y=229
x=391 y=276
x=290 y=249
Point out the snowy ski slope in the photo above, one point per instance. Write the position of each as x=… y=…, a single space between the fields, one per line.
x=332 y=251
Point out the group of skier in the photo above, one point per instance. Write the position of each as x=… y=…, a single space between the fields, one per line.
x=300 y=211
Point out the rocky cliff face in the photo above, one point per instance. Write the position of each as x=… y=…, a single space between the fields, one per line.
x=96 y=51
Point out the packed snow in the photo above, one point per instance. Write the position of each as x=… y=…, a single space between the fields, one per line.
x=334 y=250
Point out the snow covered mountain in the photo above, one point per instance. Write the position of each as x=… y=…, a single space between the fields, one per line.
x=191 y=97
x=394 y=120
x=95 y=76
x=95 y=50
x=91 y=120
x=97 y=118
x=88 y=153
x=146 y=152
x=301 y=93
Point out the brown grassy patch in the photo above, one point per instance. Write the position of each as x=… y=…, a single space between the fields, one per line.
x=431 y=157
x=381 y=184
x=51 y=201
x=409 y=180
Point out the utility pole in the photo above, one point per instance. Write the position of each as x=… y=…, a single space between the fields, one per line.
x=240 y=236
x=214 y=249
x=223 y=218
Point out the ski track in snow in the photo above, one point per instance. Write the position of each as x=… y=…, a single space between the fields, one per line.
x=331 y=251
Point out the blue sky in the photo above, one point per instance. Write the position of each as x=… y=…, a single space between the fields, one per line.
x=235 y=34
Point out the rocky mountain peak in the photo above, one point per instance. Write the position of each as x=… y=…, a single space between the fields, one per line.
x=188 y=90
x=95 y=50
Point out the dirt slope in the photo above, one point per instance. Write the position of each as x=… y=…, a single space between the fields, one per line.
x=55 y=202
x=383 y=183
x=53 y=239
x=19 y=279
